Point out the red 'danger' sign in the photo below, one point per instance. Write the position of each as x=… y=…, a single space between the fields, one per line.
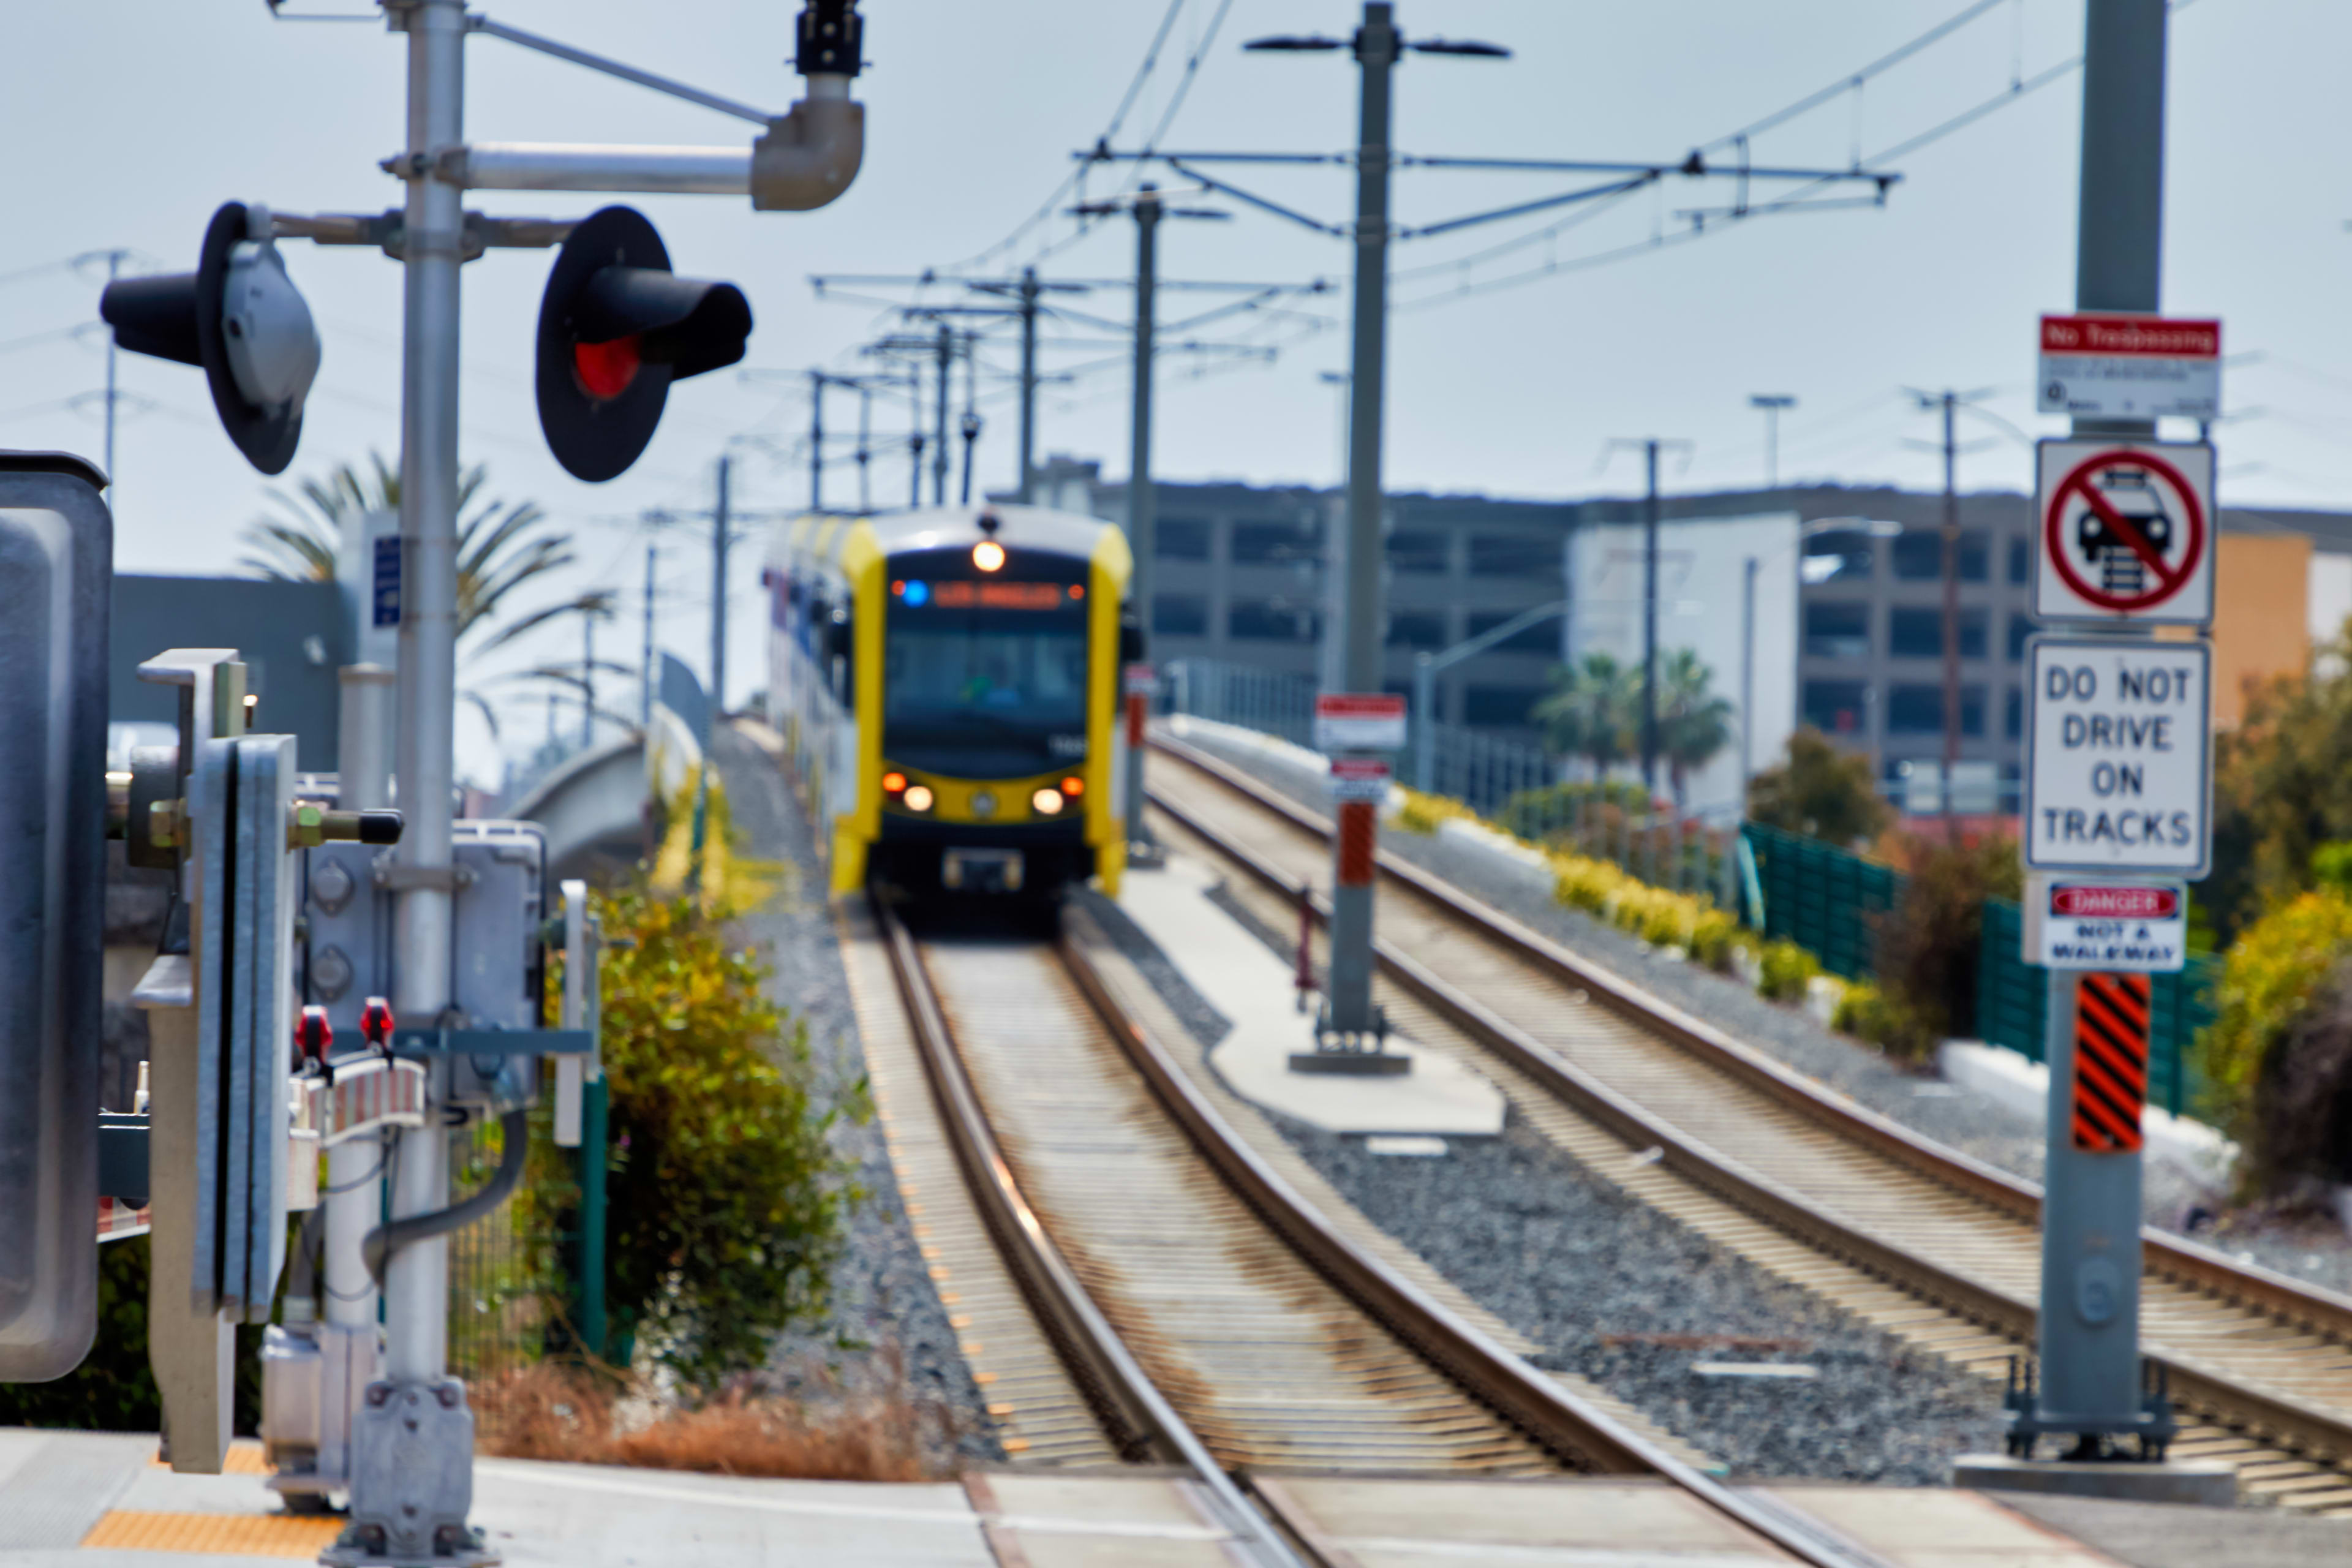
x=2115 y=903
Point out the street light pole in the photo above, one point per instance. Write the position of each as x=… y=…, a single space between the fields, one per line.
x=1771 y=403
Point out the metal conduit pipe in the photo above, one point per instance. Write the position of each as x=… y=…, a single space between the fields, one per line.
x=387 y=1238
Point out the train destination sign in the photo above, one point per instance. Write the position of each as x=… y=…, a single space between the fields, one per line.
x=2125 y=533
x=2108 y=925
x=2109 y=365
x=2118 y=774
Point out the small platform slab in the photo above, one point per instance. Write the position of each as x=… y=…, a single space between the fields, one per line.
x=2175 y=1481
x=1236 y=974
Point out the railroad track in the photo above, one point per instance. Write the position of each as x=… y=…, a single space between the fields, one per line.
x=1202 y=1312
x=1924 y=1241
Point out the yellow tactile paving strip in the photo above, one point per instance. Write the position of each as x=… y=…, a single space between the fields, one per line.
x=243 y=1459
x=214 y=1534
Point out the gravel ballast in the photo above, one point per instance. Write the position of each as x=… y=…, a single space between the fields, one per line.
x=885 y=1322
x=1620 y=1294
x=2302 y=1246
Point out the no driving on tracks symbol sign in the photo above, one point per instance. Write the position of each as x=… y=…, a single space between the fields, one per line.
x=2127 y=532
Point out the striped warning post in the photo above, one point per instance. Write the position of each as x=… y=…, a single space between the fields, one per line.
x=2111 y=1013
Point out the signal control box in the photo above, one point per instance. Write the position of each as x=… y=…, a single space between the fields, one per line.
x=495 y=963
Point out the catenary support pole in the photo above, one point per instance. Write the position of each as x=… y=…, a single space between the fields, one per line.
x=940 y=438
x=864 y=453
x=1028 y=385
x=587 y=680
x=1650 y=624
x=2089 y=1320
x=1949 y=404
x=816 y=440
x=722 y=525
x=1349 y=998
x=915 y=433
x=1747 y=676
x=646 y=657
x=1142 y=502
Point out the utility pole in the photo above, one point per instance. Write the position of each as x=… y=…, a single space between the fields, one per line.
x=645 y=676
x=1771 y=403
x=2088 y=1325
x=1028 y=298
x=940 y=450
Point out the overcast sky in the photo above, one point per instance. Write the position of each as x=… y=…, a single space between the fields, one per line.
x=132 y=120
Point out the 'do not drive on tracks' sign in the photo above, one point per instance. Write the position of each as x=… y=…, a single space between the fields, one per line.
x=2120 y=777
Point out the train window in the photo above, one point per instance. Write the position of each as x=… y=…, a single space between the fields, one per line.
x=981 y=692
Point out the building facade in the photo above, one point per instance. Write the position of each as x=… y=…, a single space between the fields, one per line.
x=1247 y=574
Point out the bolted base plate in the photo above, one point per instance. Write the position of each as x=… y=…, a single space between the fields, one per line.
x=2134 y=1481
x=1360 y=1064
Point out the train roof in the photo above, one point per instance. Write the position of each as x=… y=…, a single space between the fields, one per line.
x=817 y=537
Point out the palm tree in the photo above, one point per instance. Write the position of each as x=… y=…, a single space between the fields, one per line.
x=1693 y=723
x=1592 y=710
x=500 y=548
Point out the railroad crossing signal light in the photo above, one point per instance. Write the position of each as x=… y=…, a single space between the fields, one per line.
x=57 y=554
x=616 y=328
x=238 y=318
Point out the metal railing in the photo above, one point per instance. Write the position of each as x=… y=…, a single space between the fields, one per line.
x=497 y=1317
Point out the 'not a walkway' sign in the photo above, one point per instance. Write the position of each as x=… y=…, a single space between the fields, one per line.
x=2119 y=772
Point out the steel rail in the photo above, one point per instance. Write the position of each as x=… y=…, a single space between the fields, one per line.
x=2314 y=1429
x=1142 y=1422
x=1583 y=1437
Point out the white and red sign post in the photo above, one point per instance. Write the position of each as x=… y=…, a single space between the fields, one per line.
x=2116 y=366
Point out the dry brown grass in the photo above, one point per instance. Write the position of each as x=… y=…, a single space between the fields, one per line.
x=564 y=1413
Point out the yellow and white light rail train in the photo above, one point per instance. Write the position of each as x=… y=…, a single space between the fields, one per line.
x=947 y=683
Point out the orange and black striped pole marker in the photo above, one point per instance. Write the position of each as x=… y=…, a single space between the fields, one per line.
x=2111 y=1026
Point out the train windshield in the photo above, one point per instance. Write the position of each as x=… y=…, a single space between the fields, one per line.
x=984 y=693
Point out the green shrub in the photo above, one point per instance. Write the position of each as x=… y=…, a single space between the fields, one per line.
x=1925 y=947
x=725 y=1202
x=1788 y=969
x=1549 y=813
x=2268 y=978
x=1869 y=1014
x=1820 y=792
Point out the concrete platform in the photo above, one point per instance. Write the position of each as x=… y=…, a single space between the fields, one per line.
x=84 y=1501
x=1233 y=970
x=2199 y=1482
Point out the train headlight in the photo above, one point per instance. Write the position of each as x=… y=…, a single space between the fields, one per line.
x=1046 y=802
x=919 y=797
x=988 y=555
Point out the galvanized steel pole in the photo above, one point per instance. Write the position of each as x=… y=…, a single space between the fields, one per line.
x=1141 y=514
x=416 y=1278
x=1349 y=997
x=2089 y=1318
x=1028 y=386
x=1650 y=625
